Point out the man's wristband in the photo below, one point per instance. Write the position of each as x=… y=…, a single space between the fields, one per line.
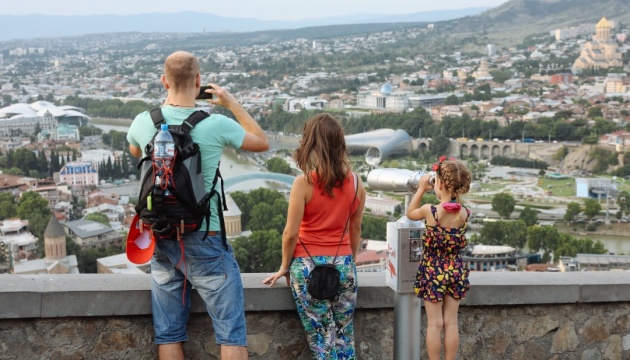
x=285 y=269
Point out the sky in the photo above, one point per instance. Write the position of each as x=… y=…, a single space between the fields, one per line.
x=264 y=10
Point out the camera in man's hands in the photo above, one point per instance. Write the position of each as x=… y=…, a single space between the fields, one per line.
x=203 y=95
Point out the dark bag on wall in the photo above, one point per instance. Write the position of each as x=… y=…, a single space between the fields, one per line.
x=324 y=282
x=324 y=279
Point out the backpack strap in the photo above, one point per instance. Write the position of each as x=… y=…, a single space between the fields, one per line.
x=157 y=117
x=194 y=119
x=190 y=147
x=222 y=205
x=188 y=124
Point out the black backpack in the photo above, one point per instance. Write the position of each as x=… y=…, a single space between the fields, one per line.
x=189 y=203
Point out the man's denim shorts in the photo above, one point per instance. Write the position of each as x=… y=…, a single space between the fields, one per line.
x=213 y=271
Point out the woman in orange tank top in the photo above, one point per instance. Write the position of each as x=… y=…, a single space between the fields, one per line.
x=323 y=226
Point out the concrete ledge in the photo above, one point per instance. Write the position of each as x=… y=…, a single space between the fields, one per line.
x=20 y=297
x=49 y=296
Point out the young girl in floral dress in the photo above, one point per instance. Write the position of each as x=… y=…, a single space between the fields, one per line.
x=441 y=280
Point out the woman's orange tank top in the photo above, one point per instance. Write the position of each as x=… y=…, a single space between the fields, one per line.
x=325 y=219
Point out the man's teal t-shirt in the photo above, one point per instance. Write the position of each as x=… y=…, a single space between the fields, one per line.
x=212 y=134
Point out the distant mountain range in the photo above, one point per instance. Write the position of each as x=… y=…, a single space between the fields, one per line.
x=48 y=26
x=507 y=24
x=515 y=19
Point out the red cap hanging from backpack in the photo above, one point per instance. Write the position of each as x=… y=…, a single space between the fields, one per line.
x=140 y=243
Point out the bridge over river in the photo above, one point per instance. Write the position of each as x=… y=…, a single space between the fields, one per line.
x=286 y=180
x=486 y=150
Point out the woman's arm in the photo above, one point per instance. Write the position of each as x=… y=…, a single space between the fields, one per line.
x=356 y=219
x=300 y=193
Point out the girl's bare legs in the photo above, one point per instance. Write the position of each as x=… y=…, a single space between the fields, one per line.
x=451 y=330
x=435 y=324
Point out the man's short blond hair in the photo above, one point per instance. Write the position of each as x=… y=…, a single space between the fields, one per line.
x=181 y=69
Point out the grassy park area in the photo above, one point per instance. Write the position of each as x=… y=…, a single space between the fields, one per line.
x=560 y=187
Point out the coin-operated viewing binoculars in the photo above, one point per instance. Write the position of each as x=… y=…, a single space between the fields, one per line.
x=404 y=237
x=404 y=252
x=397 y=180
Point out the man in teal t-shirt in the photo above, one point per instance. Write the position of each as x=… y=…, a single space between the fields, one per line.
x=212 y=135
x=211 y=267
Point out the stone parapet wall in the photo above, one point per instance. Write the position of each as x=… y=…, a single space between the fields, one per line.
x=506 y=316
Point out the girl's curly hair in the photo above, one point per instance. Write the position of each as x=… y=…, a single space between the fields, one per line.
x=455 y=176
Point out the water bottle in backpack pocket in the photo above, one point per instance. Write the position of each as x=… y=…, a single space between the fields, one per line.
x=163 y=158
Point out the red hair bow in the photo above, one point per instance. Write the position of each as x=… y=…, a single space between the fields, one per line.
x=436 y=166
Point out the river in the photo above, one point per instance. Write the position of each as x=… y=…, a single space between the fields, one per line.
x=615 y=244
x=232 y=164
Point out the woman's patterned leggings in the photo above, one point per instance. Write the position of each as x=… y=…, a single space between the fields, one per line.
x=328 y=323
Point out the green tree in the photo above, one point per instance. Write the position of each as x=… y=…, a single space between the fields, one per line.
x=8 y=206
x=87 y=260
x=42 y=163
x=98 y=217
x=25 y=160
x=260 y=252
x=15 y=171
x=54 y=162
x=34 y=208
x=87 y=257
x=277 y=165
x=503 y=204
x=529 y=216
x=247 y=201
x=501 y=76
x=267 y=217
x=510 y=233
x=439 y=145
x=592 y=207
x=116 y=139
x=72 y=248
x=543 y=238
x=32 y=203
x=561 y=153
x=451 y=100
x=570 y=246
x=595 y=111
x=373 y=227
x=573 y=210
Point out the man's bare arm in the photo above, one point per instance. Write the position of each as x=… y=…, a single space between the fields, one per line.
x=255 y=138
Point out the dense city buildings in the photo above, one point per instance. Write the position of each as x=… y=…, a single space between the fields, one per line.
x=48 y=92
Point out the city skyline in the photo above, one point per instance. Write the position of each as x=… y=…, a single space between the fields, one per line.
x=278 y=10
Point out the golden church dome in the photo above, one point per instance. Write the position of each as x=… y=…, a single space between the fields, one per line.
x=603 y=23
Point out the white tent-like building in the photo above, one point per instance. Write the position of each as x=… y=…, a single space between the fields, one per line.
x=24 y=119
